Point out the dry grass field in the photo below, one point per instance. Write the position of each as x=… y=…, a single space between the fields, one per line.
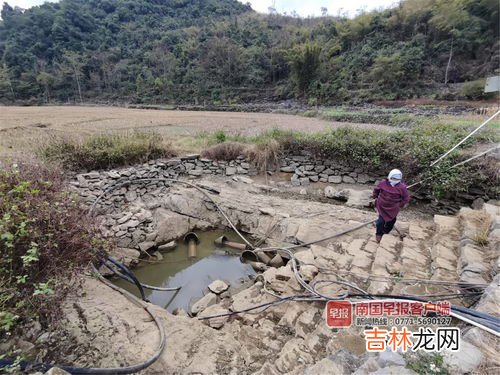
x=23 y=129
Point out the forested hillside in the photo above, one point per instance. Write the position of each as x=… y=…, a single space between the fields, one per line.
x=221 y=51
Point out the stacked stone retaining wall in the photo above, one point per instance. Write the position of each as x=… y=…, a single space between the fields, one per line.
x=304 y=169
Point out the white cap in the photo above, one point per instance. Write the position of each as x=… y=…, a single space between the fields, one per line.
x=395 y=173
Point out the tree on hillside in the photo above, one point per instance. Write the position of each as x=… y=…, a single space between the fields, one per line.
x=6 y=88
x=71 y=65
x=201 y=50
x=304 y=61
x=453 y=19
x=46 y=80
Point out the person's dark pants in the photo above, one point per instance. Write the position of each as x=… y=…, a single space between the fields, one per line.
x=384 y=227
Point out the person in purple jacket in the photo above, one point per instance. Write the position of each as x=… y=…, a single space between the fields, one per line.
x=390 y=196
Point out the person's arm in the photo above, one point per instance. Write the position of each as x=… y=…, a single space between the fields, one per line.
x=376 y=191
x=405 y=197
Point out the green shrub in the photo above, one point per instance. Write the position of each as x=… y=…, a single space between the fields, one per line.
x=371 y=117
x=45 y=239
x=474 y=90
x=220 y=136
x=107 y=151
x=312 y=102
x=310 y=113
x=348 y=116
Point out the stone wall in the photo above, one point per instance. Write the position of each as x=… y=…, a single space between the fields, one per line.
x=132 y=213
x=93 y=184
x=303 y=168
x=307 y=169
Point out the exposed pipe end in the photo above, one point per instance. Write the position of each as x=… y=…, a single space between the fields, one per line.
x=191 y=237
x=219 y=242
x=249 y=255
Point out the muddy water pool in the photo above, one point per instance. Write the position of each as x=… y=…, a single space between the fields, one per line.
x=192 y=274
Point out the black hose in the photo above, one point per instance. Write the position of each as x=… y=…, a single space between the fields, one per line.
x=145 y=286
x=24 y=365
x=130 y=275
x=463 y=310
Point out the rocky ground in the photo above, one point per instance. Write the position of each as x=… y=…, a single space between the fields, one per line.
x=291 y=337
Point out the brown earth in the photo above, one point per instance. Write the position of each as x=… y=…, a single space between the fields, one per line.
x=23 y=128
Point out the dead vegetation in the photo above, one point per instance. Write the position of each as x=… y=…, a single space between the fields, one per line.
x=225 y=151
x=264 y=156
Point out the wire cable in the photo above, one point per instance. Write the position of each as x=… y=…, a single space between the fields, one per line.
x=463 y=140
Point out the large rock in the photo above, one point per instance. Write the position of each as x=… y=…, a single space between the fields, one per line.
x=218 y=287
x=394 y=370
x=342 y=194
x=131 y=196
x=308 y=272
x=129 y=224
x=359 y=198
x=334 y=179
x=186 y=204
x=295 y=180
x=390 y=358
x=291 y=315
x=190 y=157
x=282 y=280
x=128 y=257
x=363 y=178
x=345 y=360
x=207 y=300
x=168 y=246
x=56 y=371
x=292 y=356
x=124 y=218
x=196 y=172
x=170 y=225
x=213 y=311
x=146 y=246
x=467 y=359
x=324 y=367
x=306 y=323
x=230 y=171
x=353 y=198
x=348 y=180
x=304 y=181
x=248 y=298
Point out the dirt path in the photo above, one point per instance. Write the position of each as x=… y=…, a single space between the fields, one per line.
x=23 y=127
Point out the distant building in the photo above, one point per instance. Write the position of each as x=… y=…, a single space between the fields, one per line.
x=492 y=84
